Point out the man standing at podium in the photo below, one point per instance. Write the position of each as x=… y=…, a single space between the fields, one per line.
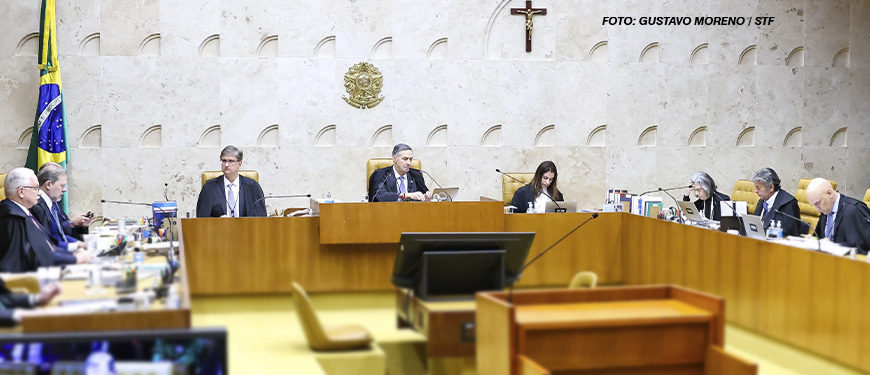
x=399 y=182
x=231 y=195
x=844 y=220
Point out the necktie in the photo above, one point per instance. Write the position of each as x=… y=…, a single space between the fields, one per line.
x=764 y=211
x=231 y=200
x=33 y=219
x=829 y=226
x=402 y=189
x=56 y=218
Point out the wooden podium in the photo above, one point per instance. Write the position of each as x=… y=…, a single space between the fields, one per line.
x=621 y=330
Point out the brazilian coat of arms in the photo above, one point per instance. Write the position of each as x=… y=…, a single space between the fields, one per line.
x=363 y=83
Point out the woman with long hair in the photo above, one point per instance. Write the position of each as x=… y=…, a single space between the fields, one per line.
x=542 y=190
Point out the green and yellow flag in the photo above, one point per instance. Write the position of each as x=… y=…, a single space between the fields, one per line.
x=49 y=140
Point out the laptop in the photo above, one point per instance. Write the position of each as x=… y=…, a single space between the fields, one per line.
x=725 y=208
x=563 y=207
x=754 y=227
x=727 y=223
x=445 y=194
x=690 y=211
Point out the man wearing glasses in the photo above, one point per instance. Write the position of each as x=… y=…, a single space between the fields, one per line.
x=231 y=195
x=844 y=220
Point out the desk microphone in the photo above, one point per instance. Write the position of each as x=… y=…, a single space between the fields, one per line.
x=519 y=274
x=436 y=183
x=281 y=196
x=815 y=234
x=166 y=191
x=666 y=190
x=544 y=191
x=381 y=185
x=165 y=214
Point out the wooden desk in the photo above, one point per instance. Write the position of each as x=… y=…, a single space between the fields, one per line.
x=384 y=222
x=637 y=330
x=447 y=325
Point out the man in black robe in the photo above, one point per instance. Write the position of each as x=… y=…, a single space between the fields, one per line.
x=231 y=195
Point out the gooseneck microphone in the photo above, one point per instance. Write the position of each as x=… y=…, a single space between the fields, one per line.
x=436 y=183
x=519 y=274
x=166 y=191
x=381 y=185
x=281 y=196
x=815 y=234
x=166 y=214
x=544 y=191
x=666 y=190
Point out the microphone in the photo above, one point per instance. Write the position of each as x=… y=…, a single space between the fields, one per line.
x=281 y=196
x=166 y=191
x=165 y=214
x=436 y=183
x=519 y=274
x=815 y=234
x=381 y=185
x=731 y=206
x=666 y=190
x=558 y=207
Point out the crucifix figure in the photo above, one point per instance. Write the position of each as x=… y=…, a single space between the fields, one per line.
x=529 y=12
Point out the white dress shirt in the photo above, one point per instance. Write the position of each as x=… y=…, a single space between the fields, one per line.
x=232 y=211
x=541 y=203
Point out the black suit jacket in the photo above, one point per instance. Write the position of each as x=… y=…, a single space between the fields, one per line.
x=713 y=201
x=851 y=224
x=23 y=245
x=42 y=213
x=212 y=200
x=526 y=194
x=382 y=184
x=787 y=203
x=10 y=300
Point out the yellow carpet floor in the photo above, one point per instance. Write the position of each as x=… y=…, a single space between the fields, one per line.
x=265 y=336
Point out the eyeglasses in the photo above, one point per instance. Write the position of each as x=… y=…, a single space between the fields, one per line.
x=227 y=161
x=30 y=187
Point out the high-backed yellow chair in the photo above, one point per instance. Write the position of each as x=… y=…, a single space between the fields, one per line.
x=2 y=186
x=22 y=284
x=326 y=338
x=585 y=279
x=867 y=198
x=509 y=185
x=208 y=175
x=744 y=190
x=808 y=212
x=377 y=163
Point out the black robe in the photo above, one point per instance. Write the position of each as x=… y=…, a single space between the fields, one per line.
x=705 y=204
x=10 y=300
x=851 y=224
x=23 y=246
x=212 y=200
x=786 y=203
x=382 y=184
x=526 y=194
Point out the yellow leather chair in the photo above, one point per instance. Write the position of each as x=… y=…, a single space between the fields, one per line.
x=22 y=284
x=808 y=212
x=744 y=190
x=509 y=185
x=585 y=279
x=377 y=163
x=208 y=175
x=867 y=198
x=2 y=186
x=327 y=338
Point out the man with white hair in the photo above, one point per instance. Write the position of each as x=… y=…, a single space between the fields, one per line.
x=24 y=243
x=844 y=220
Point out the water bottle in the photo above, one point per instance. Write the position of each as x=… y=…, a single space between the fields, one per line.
x=779 y=229
x=531 y=208
x=771 y=230
x=328 y=198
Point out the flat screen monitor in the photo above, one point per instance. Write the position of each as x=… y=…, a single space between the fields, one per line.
x=408 y=269
x=171 y=352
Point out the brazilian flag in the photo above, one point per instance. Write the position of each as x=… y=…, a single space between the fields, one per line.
x=49 y=140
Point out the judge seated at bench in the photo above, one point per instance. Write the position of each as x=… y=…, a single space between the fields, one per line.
x=24 y=243
x=542 y=190
x=399 y=182
x=844 y=220
x=704 y=188
x=775 y=199
x=65 y=233
x=231 y=195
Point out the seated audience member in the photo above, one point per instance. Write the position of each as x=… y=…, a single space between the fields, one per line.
x=708 y=197
x=399 y=182
x=24 y=243
x=542 y=190
x=844 y=220
x=774 y=199
x=13 y=304
x=231 y=195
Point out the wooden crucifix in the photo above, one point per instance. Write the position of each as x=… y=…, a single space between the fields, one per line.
x=529 y=12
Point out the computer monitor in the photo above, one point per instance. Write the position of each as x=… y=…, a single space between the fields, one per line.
x=178 y=351
x=459 y=264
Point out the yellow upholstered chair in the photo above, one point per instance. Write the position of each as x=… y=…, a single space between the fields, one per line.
x=208 y=175
x=2 y=186
x=22 y=284
x=867 y=198
x=377 y=163
x=585 y=279
x=744 y=190
x=808 y=212
x=509 y=185
x=327 y=338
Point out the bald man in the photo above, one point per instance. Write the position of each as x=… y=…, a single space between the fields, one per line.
x=844 y=220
